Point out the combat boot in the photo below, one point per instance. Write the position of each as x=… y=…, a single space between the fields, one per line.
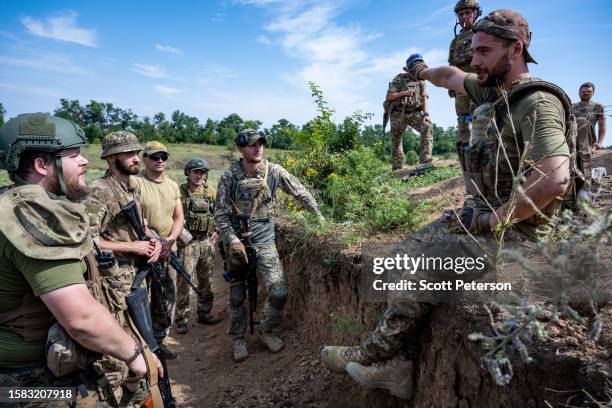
x=182 y=328
x=208 y=318
x=272 y=341
x=395 y=375
x=240 y=350
x=336 y=357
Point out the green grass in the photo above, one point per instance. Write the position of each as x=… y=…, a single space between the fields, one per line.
x=218 y=158
x=432 y=176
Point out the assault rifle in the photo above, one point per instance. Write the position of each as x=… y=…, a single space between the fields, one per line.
x=178 y=265
x=251 y=276
x=248 y=273
x=140 y=310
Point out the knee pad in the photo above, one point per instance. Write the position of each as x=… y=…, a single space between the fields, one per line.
x=278 y=295
x=237 y=294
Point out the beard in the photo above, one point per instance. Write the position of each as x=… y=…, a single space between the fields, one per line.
x=75 y=192
x=126 y=170
x=497 y=73
x=585 y=98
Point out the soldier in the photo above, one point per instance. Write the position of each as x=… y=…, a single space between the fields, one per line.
x=248 y=189
x=110 y=227
x=592 y=112
x=460 y=56
x=161 y=204
x=406 y=103
x=198 y=256
x=44 y=239
x=522 y=109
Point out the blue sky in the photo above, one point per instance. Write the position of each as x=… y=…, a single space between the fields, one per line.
x=254 y=57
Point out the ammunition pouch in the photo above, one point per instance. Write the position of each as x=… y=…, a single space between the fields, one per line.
x=64 y=355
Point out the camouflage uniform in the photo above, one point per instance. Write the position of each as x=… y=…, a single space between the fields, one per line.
x=107 y=222
x=199 y=255
x=254 y=196
x=408 y=111
x=460 y=56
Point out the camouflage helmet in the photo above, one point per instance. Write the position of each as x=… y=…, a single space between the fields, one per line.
x=196 y=163
x=119 y=142
x=248 y=137
x=468 y=4
x=37 y=131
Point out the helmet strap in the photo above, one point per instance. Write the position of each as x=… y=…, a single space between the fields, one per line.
x=60 y=173
x=455 y=29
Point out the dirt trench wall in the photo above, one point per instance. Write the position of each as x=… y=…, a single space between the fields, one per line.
x=323 y=281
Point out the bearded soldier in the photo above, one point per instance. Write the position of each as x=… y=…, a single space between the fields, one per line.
x=406 y=104
x=46 y=268
x=110 y=226
x=592 y=112
x=532 y=119
x=460 y=56
x=246 y=192
x=198 y=256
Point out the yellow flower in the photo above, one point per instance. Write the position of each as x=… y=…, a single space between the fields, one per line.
x=311 y=172
x=289 y=162
x=332 y=175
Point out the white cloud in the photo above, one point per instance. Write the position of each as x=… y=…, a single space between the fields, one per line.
x=166 y=90
x=169 y=49
x=52 y=63
x=62 y=27
x=153 y=71
x=263 y=39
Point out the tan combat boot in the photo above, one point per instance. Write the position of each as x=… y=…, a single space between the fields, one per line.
x=395 y=375
x=272 y=341
x=240 y=350
x=336 y=357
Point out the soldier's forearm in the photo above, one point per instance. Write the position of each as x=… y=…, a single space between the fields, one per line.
x=446 y=77
x=116 y=246
x=602 y=132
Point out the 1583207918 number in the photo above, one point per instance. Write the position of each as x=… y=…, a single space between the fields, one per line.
x=25 y=394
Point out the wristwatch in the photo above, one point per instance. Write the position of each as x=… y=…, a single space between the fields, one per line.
x=137 y=352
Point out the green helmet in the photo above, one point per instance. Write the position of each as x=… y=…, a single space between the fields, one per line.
x=36 y=131
x=196 y=163
x=468 y=4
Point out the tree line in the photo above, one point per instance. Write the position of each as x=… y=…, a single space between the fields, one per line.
x=99 y=118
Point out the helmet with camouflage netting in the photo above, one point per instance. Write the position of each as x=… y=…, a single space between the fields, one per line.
x=39 y=132
x=196 y=163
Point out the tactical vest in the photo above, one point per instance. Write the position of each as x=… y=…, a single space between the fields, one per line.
x=198 y=211
x=461 y=49
x=484 y=153
x=253 y=196
x=409 y=103
x=32 y=320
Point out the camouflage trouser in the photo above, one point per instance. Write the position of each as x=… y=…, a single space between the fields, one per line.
x=128 y=390
x=199 y=260
x=162 y=310
x=463 y=108
x=399 y=123
x=42 y=377
x=397 y=331
x=269 y=267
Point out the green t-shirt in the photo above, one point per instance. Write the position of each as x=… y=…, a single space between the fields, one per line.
x=20 y=275
x=537 y=117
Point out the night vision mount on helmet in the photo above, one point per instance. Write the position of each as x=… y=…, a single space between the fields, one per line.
x=38 y=131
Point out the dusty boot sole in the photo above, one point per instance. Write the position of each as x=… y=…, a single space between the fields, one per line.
x=397 y=390
x=330 y=362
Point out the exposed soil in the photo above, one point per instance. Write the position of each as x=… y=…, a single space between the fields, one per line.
x=324 y=279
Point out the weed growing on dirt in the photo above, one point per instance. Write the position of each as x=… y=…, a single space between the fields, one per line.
x=348 y=325
x=431 y=176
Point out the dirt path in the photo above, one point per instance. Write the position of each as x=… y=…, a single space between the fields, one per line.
x=204 y=374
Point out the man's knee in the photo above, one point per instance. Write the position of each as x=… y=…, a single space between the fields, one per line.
x=237 y=295
x=278 y=295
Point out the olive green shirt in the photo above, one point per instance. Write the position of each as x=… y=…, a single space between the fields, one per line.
x=537 y=117
x=20 y=275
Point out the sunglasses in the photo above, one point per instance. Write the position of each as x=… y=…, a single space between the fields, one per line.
x=158 y=157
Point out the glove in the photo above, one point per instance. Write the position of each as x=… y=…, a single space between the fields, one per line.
x=238 y=252
x=415 y=65
x=475 y=221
